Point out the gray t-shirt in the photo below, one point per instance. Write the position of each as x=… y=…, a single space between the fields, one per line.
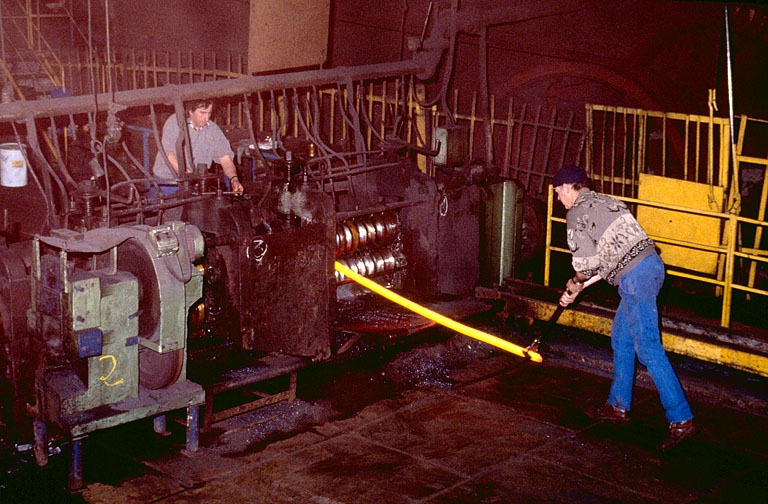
x=208 y=145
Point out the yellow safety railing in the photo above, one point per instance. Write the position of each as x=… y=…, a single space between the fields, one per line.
x=757 y=161
x=625 y=142
x=734 y=255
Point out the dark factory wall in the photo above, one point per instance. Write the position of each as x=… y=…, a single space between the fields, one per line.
x=199 y=25
x=647 y=53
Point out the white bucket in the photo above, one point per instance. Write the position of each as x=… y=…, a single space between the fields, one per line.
x=13 y=167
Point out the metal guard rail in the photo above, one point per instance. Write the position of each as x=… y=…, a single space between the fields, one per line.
x=727 y=249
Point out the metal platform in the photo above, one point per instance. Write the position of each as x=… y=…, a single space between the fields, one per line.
x=250 y=378
x=745 y=349
x=149 y=403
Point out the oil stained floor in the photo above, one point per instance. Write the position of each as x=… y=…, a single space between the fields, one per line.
x=453 y=421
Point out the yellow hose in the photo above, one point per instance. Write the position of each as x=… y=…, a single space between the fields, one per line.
x=436 y=317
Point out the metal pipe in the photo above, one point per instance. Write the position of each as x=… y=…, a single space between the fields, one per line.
x=76 y=464
x=436 y=317
x=21 y=110
x=730 y=74
x=485 y=108
x=193 y=428
x=342 y=216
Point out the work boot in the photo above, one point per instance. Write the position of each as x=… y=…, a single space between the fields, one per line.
x=678 y=431
x=608 y=412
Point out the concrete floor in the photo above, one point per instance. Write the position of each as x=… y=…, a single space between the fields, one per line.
x=448 y=422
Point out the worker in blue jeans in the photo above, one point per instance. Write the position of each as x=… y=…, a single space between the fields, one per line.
x=607 y=243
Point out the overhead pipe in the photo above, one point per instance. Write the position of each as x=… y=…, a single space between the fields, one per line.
x=485 y=107
x=422 y=63
x=734 y=206
x=436 y=317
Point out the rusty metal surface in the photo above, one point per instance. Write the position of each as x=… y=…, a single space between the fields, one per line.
x=289 y=288
x=375 y=315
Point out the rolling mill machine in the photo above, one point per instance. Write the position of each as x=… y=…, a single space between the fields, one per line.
x=113 y=312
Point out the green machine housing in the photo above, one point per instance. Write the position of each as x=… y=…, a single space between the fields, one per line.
x=109 y=324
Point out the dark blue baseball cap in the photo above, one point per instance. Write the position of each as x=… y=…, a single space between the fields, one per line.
x=569 y=174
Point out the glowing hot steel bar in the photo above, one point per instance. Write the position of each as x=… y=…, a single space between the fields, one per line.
x=436 y=317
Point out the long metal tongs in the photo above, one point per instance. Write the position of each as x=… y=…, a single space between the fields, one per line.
x=534 y=346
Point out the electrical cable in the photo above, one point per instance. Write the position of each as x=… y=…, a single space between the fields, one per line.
x=255 y=143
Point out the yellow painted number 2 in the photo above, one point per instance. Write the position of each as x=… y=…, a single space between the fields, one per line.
x=114 y=366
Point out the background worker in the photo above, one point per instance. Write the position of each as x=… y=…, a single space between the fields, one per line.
x=606 y=242
x=208 y=145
